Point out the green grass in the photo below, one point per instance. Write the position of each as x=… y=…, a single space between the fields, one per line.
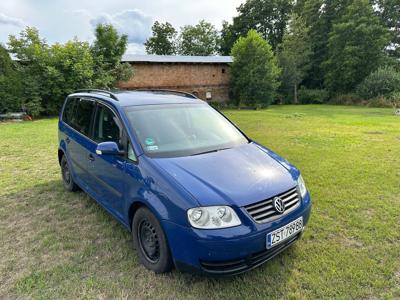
x=55 y=244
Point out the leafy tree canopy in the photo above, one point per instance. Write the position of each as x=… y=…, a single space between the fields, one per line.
x=200 y=39
x=50 y=73
x=6 y=64
x=10 y=83
x=355 y=47
x=109 y=44
x=163 y=41
x=267 y=17
x=389 y=12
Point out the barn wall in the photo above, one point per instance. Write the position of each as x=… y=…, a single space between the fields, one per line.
x=193 y=78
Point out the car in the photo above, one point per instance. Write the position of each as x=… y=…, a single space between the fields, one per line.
x=194 y=191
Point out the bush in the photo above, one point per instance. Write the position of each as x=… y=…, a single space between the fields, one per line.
x=312 y=96
x=383 y=82
x=347 y=99
x=379 y=102
x=33 y=106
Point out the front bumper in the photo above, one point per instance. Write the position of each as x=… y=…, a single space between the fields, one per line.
x=232 y=250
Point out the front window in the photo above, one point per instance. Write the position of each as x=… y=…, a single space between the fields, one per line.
x=106 y=126
x=182 y=130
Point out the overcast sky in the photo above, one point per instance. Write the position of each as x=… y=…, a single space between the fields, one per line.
x=61 y=20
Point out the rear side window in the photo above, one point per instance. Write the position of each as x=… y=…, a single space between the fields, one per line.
x=69 y=110
x=107 y=127
x=82 y=116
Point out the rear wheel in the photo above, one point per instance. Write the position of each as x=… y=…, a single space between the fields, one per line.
x=68 y=182
x=150 y=242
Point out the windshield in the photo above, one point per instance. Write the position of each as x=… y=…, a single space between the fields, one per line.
x=182 y=130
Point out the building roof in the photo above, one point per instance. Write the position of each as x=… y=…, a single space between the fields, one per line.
x=177 y=59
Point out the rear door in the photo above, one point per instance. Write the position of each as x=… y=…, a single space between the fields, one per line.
x=78 y=138
x=65 y=128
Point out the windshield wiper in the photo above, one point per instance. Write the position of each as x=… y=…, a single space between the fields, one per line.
x=210 y=151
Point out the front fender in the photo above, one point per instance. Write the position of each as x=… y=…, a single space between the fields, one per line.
x=159 y=192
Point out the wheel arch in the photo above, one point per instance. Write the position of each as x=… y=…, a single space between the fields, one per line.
x=60 y=155
x=135 y=205
x=155 y=210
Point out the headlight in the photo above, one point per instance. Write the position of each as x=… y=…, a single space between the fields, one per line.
x=213 y=217
x=302 y=186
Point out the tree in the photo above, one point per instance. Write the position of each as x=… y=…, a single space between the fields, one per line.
x=355 y=47
x=6 y=64
x=10 y=83
x=319 y=16
x=70 y=67
x=268 y=17
x=254 y=72
x=294 y=54
x=109 y=44
x=49 y=73
x=33 y=54
x=201 y=39
x=227 y=38
x=107 y=51
x=389 y=11
x=163 y=40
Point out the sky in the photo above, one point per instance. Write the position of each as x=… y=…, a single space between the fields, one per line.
x=62 y=20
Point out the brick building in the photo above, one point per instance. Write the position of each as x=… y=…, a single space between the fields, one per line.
x=205 y=76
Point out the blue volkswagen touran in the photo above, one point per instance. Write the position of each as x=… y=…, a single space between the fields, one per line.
x=194 y=191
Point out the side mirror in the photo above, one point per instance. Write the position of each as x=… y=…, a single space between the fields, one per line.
x=108 y=148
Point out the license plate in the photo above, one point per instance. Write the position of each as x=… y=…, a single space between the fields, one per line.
x=281 y=234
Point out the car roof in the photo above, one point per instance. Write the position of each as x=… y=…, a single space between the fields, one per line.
x=136 y=98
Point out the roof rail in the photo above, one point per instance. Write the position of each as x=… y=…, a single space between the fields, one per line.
x=185 y=94
x=110 y=94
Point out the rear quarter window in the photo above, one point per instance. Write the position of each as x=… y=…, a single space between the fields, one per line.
x=69 y=110
x=82 y=117
x=78 y=114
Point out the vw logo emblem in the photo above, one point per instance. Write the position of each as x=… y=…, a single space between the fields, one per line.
x=279 y=205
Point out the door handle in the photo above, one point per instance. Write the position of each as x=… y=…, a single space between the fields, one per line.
x=67 y=140
x=91 y=157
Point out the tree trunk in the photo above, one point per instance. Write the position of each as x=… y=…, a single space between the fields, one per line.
x=295 y=94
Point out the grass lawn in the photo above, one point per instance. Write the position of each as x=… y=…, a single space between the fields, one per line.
x=55 y=244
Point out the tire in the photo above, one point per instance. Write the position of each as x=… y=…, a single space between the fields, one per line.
x=150 y=242
x=68 y=182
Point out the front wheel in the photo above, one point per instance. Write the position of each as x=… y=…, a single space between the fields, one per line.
x=150 y=242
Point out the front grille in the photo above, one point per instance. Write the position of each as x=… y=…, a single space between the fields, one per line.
x=229 y=267
x=264 y=210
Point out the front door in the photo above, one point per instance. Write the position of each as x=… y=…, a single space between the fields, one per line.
x=108 y=177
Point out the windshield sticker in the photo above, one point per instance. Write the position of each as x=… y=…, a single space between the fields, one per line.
x=149 y=141
x=152 y=148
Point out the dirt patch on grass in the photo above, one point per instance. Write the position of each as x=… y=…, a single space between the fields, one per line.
x=397 y=277
x=369 y=213
x=352 y=242
x=375 y=132
x=295 y=115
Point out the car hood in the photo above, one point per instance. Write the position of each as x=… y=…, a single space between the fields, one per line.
x=237 y=176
